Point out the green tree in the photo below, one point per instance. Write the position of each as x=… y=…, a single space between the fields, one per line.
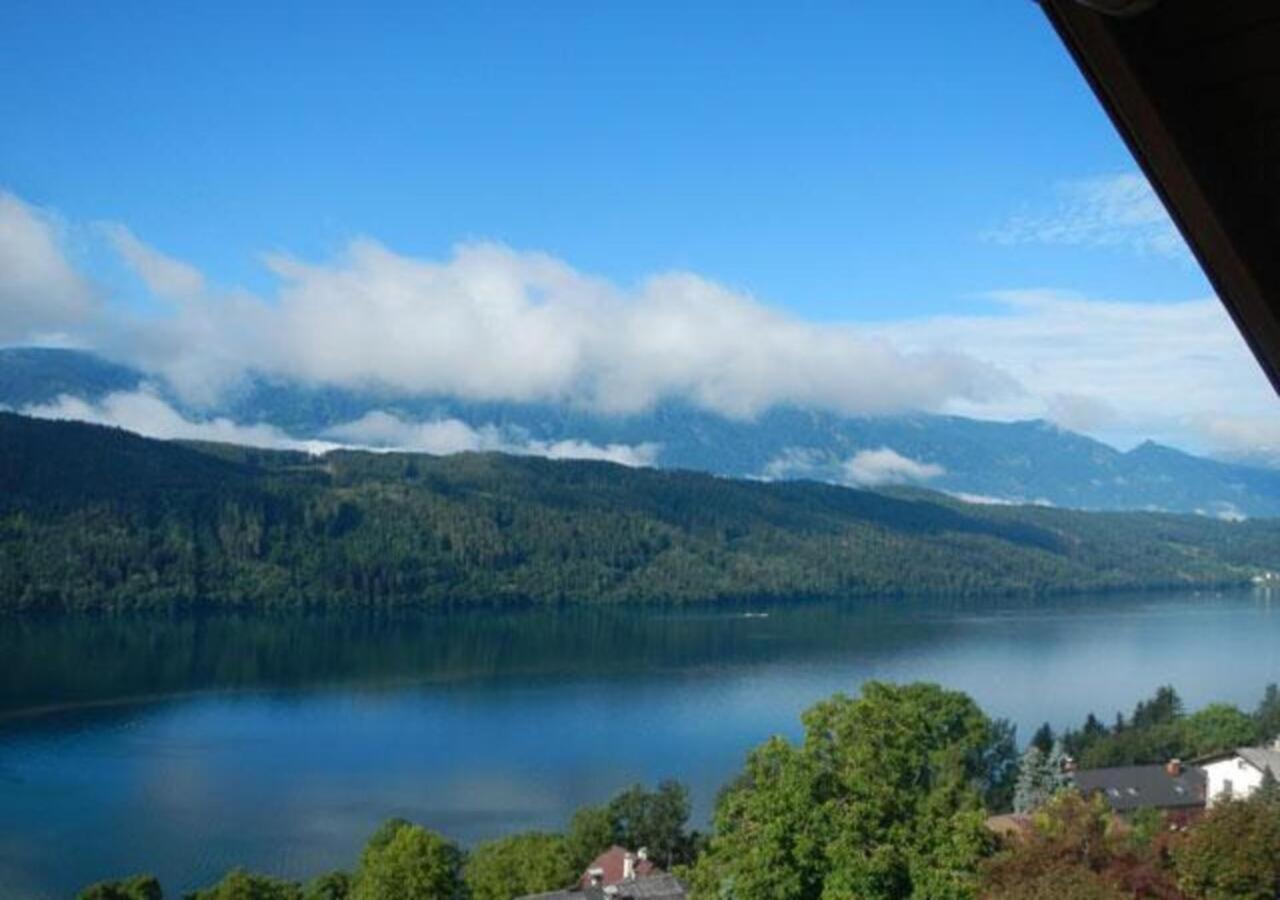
x=137 y=887
x=882 y=800
x=405 y=861
x=1218 y=726
x=334 y=885
x=1267 y=715
x=1040 y=776
x=591 y=832
x=529 y=863
x=241 y=885
x=1001 y=765
x=1233 y=853
x=1164 y=707
x=655 y=820
x=1043 y=739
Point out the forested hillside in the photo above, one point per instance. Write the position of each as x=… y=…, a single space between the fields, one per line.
x=96 y=517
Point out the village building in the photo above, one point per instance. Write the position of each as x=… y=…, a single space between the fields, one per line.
x=1128 y=789
x=1238 y=773
x=619 y=874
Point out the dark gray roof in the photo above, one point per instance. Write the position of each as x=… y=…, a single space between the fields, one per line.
x=1262 y=758
x=1144 y=787
x=652 y=887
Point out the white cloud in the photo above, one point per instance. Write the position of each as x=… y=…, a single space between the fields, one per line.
x=1119 y=210
x=887 y=466
x=1122 y=371
x=164 y=276
x=796 y=462
x=634 y=455
x=40 y=291
x=1251 y=439
x=145 y=413
x=982 y=499
x=491 y=323
x=382 y=430
x=1080 y=412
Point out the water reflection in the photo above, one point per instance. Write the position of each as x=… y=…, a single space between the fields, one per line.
x=187 y=744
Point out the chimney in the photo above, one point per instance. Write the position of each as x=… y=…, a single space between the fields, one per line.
x=1173 y=768
x=628 y=866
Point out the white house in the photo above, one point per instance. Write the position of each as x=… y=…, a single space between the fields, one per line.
x=1238 y=773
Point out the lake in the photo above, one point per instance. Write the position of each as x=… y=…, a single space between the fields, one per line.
x=185 y=745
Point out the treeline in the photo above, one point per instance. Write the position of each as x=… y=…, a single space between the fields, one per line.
x=1159 y=729
x=92 y=517
x=885 y=798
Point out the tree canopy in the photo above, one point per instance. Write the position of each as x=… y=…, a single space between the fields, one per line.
x=884 y=799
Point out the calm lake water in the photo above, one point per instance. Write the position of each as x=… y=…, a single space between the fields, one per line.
x=187 y=745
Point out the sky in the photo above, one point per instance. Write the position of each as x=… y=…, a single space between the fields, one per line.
x=864 y=207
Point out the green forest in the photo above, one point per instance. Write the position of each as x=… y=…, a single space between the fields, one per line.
x=98 y=518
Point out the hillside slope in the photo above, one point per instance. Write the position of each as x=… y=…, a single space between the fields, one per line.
x=96 y=517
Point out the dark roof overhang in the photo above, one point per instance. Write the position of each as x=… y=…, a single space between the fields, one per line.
x=1193 y=87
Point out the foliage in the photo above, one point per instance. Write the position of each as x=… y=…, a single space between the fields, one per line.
x=591 y=832
x=137 y=887
x=882 y=800
x=656 y=820
x=1267 y=715
x=404 y=860
x=1043 y=739
x=241 y=885
x=528 y=863
x=1218 y=726
x=1075 y=849
x=92 y=517
x=1040 y=776
x=1234 y=852
x=1159 y=731
x=334 y=885
x=1002 y=766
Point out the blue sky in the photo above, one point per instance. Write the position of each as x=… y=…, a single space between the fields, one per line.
x=842 y=159
x=881 y=164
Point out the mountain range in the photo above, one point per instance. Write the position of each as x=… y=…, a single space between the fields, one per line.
x=1026 y=462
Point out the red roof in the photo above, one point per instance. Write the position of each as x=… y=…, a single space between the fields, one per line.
x=610 y=861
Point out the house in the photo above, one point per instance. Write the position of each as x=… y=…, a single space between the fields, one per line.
x=1131 y=788
x=1238 y=773
x=619 y=874
x=618 y=864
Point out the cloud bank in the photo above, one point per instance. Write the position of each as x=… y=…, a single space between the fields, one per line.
x=886 y=466
x=145 y=412
x=382 y=430
x=1176 y=372
x=490 y=323
x=865 y=468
